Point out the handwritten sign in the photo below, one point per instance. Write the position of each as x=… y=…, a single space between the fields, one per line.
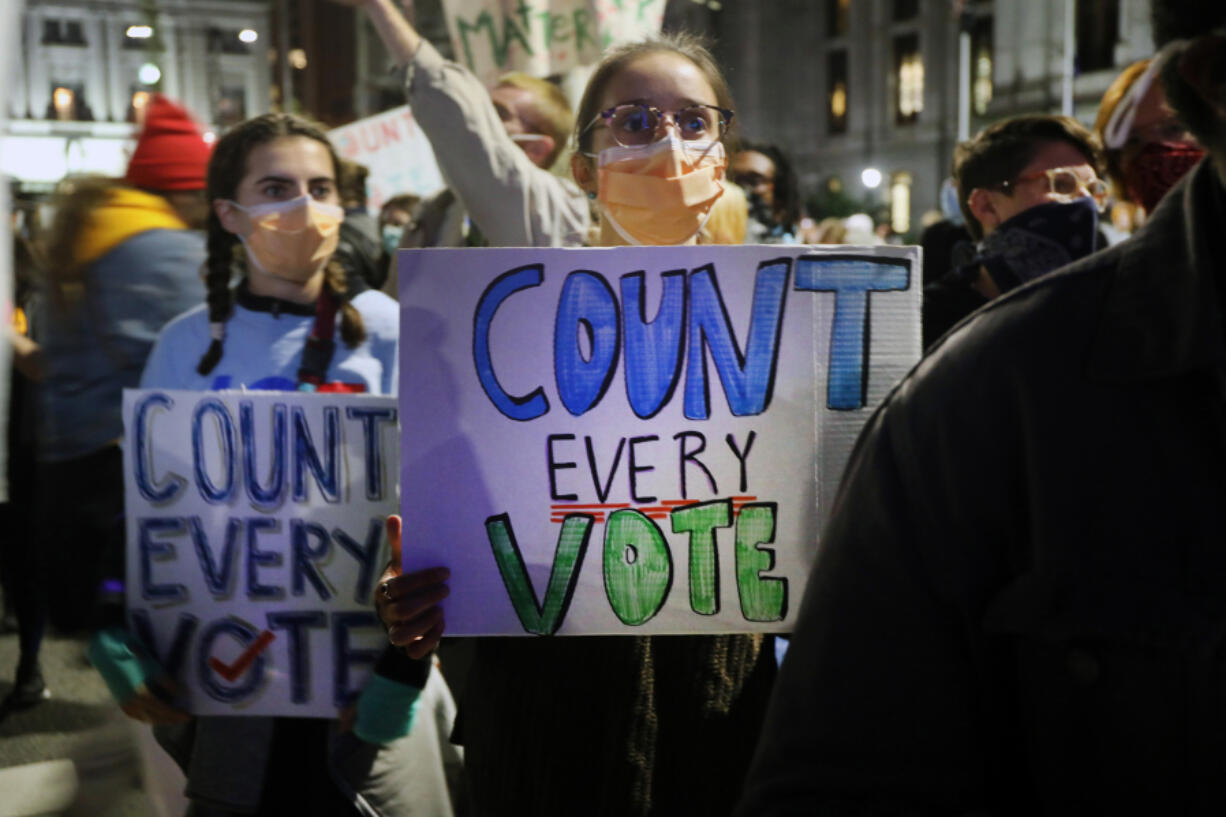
x=396 y=151
x=255 y=536
x=544 y=37
x=638 y=440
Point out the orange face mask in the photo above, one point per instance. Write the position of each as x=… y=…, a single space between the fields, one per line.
x=291 y=239
x=661 y=193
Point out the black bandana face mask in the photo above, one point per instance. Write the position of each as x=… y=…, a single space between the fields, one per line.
x=1038 y=241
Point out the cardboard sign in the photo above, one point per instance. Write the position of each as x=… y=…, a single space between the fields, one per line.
x=396 y=151
x=544 y=37
x=638 y=440
x=255 y=525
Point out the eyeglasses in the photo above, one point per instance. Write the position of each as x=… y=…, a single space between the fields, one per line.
x=636 y=125
x=1067 y=182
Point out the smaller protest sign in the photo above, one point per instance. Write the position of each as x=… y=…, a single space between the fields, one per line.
x=544 y=37
x=255 y=534
x=396 y=151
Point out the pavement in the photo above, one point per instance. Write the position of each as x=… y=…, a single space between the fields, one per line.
x=75 y=754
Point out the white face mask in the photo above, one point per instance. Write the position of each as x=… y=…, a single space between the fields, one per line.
x=661 y=193
x=291 y=239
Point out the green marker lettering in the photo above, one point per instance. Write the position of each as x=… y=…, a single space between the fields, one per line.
x=582 y=26
x=763 y=598
x=700 y=522
x=572 y=544
x=638 y=569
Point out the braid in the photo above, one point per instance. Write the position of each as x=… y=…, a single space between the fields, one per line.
x=353 y=331
x=220 y=300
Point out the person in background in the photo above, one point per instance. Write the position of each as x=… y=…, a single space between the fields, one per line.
x=360 y=248
x=1017 y=604
x=773 y=192
x=494 y=147
x=122 y=258
x=396 y=217
x=291 y=323
x=943 y=235
x=1147 y=148
x=19 y=541
x=620 y=726
x=1030 y=190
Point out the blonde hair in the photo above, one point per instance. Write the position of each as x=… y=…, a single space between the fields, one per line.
x=550 y=108
x=729 y=219
x=1111 y=100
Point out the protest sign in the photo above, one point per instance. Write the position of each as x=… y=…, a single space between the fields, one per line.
x=254 y=537
x=396 y=151
x=637 y=440
x=544 y=37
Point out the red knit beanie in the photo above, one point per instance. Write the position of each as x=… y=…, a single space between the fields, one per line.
x=171 y=153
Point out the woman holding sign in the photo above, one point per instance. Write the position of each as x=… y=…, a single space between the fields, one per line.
x=619 y=725
x=290 y=324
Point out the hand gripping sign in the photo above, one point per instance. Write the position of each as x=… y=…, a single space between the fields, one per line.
x=637 y=440
x=255 y=534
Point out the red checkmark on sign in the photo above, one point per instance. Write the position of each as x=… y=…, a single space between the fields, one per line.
x=231 y=671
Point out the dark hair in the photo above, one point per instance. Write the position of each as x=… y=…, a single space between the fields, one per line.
x=1000 y=151
x=1185 y=19
x=685 y=45
x=226 y=170
x=787 y=187
x=405 y=201
x=351 y=183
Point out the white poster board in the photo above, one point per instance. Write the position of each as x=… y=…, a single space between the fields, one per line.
x=637 y=440
x=255 y=532
x=395 y=149
x=544 y=37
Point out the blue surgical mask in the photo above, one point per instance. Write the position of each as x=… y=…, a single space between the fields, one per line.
x=392 y=234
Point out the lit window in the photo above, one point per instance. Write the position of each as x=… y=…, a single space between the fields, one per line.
x=900 y=203
x=64 y=100
x=909 y=75
x=836 y=92
x=981 y=65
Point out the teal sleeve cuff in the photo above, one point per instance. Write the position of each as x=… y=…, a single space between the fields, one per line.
x=385 y=710
x=121 y=661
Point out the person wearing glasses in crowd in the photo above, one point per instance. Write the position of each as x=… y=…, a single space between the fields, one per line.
x=1031 y=192
x=610 y=725
x=766 y=175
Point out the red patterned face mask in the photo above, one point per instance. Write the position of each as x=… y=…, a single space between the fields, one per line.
x=1156 y=169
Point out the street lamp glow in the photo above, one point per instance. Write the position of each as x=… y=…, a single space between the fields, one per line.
x=149 y=74
x=248 y=35
x=139 y=32
x=871 y=177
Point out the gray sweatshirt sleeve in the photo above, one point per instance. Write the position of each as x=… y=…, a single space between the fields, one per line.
x=512 y=201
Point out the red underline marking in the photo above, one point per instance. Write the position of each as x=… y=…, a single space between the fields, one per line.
x=570 y=507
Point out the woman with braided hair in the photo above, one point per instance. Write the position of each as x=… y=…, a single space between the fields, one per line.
x=276 y=219
x=290 y=323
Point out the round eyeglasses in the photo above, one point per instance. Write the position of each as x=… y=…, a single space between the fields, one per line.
x=1068 y=182
x=637 y=125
